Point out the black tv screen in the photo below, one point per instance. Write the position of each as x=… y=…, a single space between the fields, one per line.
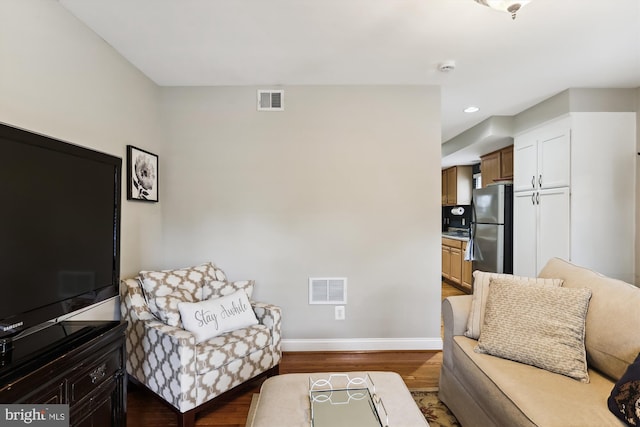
x=60 y=228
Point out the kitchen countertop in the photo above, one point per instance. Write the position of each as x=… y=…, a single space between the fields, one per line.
x=456 y=235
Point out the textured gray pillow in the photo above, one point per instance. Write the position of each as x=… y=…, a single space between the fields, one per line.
x=542 y=326
x=220 y=288
x=481 y=282
x=165 y=289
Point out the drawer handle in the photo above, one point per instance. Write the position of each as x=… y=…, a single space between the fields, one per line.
x=98 y=373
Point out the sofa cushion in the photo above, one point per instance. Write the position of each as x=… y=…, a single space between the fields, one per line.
x=612 y=341
x=215 y=316
x=624 y=401
x=165 y=289
x=481 y=282
x=223 y=349
x=512 y=392
x=541 y=326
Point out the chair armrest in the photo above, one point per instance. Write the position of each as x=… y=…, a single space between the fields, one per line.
x=455 y=313
x=170 y=334
x=163 y=358
x=271 y=316
x=134 y=309
x=267 y=314
x=132 y=299
x=153 y=345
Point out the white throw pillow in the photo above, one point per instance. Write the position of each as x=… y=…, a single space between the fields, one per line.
x=215 y=316
x=481 y=282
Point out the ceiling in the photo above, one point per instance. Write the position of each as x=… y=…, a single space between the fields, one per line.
x=503 y=66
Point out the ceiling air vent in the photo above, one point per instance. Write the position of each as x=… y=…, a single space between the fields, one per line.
x=327 y=290
x=270 y=100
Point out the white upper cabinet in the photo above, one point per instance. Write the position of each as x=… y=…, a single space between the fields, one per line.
x=542 y=157
x=525 y=162
x=554 y=156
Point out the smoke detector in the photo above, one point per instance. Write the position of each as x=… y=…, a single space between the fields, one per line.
x=447 y=66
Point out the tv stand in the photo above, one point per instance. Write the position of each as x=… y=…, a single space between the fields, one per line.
x=6 y=347
x=79 y=363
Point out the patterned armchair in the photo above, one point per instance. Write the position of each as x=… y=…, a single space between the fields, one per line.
x=169 y=361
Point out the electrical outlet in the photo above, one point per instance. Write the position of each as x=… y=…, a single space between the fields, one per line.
x=340 y=312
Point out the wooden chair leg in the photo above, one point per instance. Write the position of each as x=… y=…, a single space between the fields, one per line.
x=187 y=419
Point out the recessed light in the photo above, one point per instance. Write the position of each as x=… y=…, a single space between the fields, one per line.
x=471 y=109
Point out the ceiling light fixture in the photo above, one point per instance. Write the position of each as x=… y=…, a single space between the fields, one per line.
x=447 y=66
x=471 y=109
x=509 y=6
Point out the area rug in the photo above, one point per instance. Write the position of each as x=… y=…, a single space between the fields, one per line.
x=434 y=411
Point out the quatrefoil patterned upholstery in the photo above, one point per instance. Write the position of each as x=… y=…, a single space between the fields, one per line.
x=165 y=358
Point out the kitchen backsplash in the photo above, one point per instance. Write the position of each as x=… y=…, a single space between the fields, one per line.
x=456 y=217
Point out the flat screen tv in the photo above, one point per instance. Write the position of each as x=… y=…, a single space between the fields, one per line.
x=59 y=229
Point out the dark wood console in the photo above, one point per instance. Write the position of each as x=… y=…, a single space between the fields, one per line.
x=78 y=363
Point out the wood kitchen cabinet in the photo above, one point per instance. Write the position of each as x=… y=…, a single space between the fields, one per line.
x=445 y=189
x=455 y=269
x=490 y=167
x=446 y=261
x=456 y=265
x=457 y=184
x=506 y=162
x=497 y=165
x=467 y=271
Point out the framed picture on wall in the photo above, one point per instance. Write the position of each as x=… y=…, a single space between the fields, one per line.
x=142 y=175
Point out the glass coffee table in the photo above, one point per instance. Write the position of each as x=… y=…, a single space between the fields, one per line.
x=341 y=399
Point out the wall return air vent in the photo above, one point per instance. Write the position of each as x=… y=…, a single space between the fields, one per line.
x=327 y=290
x=270 y=100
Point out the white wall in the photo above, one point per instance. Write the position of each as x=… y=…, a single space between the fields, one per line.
x=603 y=192
x=344 y=182
x=637 y=187
x=60 y=79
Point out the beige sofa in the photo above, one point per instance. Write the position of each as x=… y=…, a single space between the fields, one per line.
x=484 y=390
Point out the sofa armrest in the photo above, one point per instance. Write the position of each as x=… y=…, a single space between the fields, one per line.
x=455 y=313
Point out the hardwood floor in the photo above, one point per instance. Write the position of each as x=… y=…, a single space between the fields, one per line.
x=419 y=369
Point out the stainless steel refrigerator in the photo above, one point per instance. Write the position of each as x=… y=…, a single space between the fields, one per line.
x=492 y=229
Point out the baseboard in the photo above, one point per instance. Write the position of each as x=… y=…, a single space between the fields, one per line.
x=362 y=344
